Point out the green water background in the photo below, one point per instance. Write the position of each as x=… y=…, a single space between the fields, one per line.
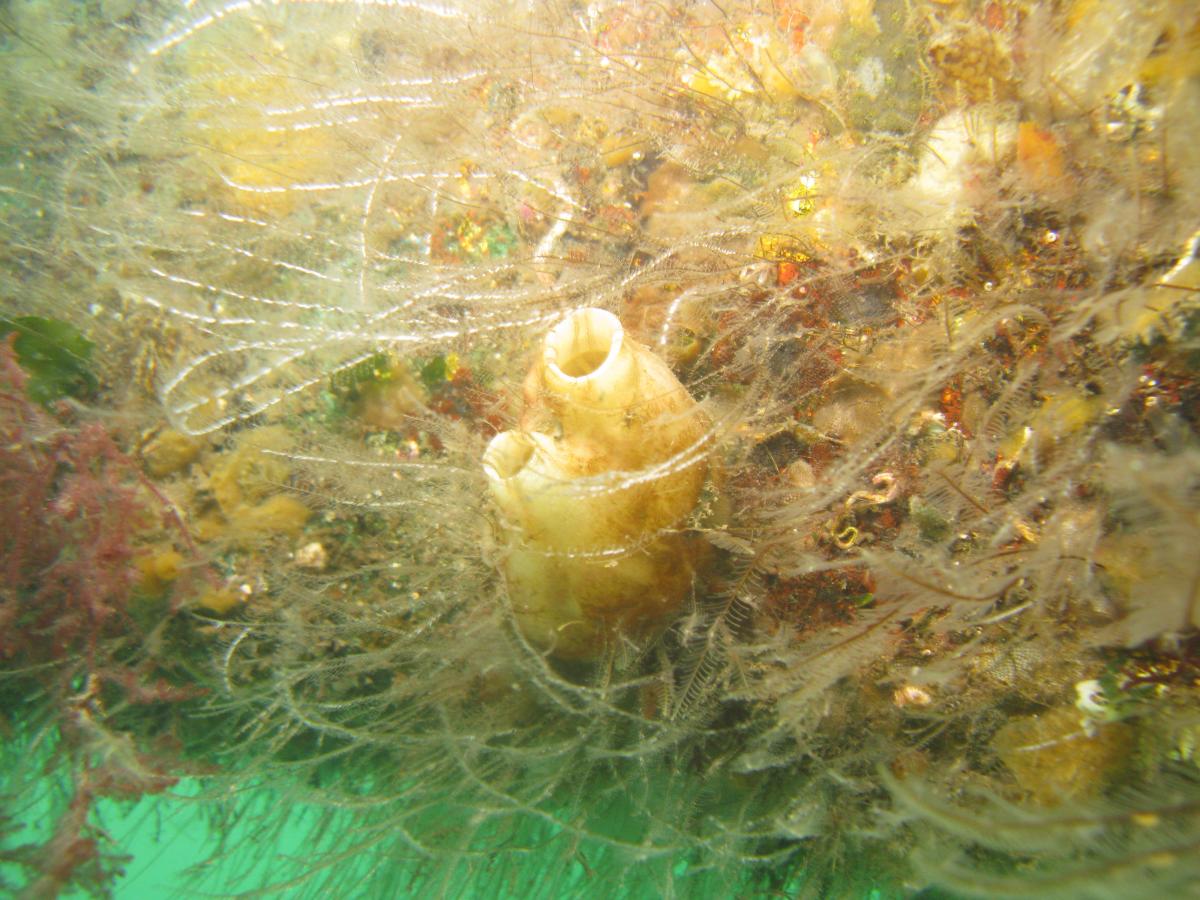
x=176 y=847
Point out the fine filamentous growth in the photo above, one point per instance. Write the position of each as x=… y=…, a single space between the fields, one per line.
x=603 y=449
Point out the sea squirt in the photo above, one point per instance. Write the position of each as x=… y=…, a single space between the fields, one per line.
x=594 y=489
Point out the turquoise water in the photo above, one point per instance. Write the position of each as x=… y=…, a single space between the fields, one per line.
x=165 y=838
